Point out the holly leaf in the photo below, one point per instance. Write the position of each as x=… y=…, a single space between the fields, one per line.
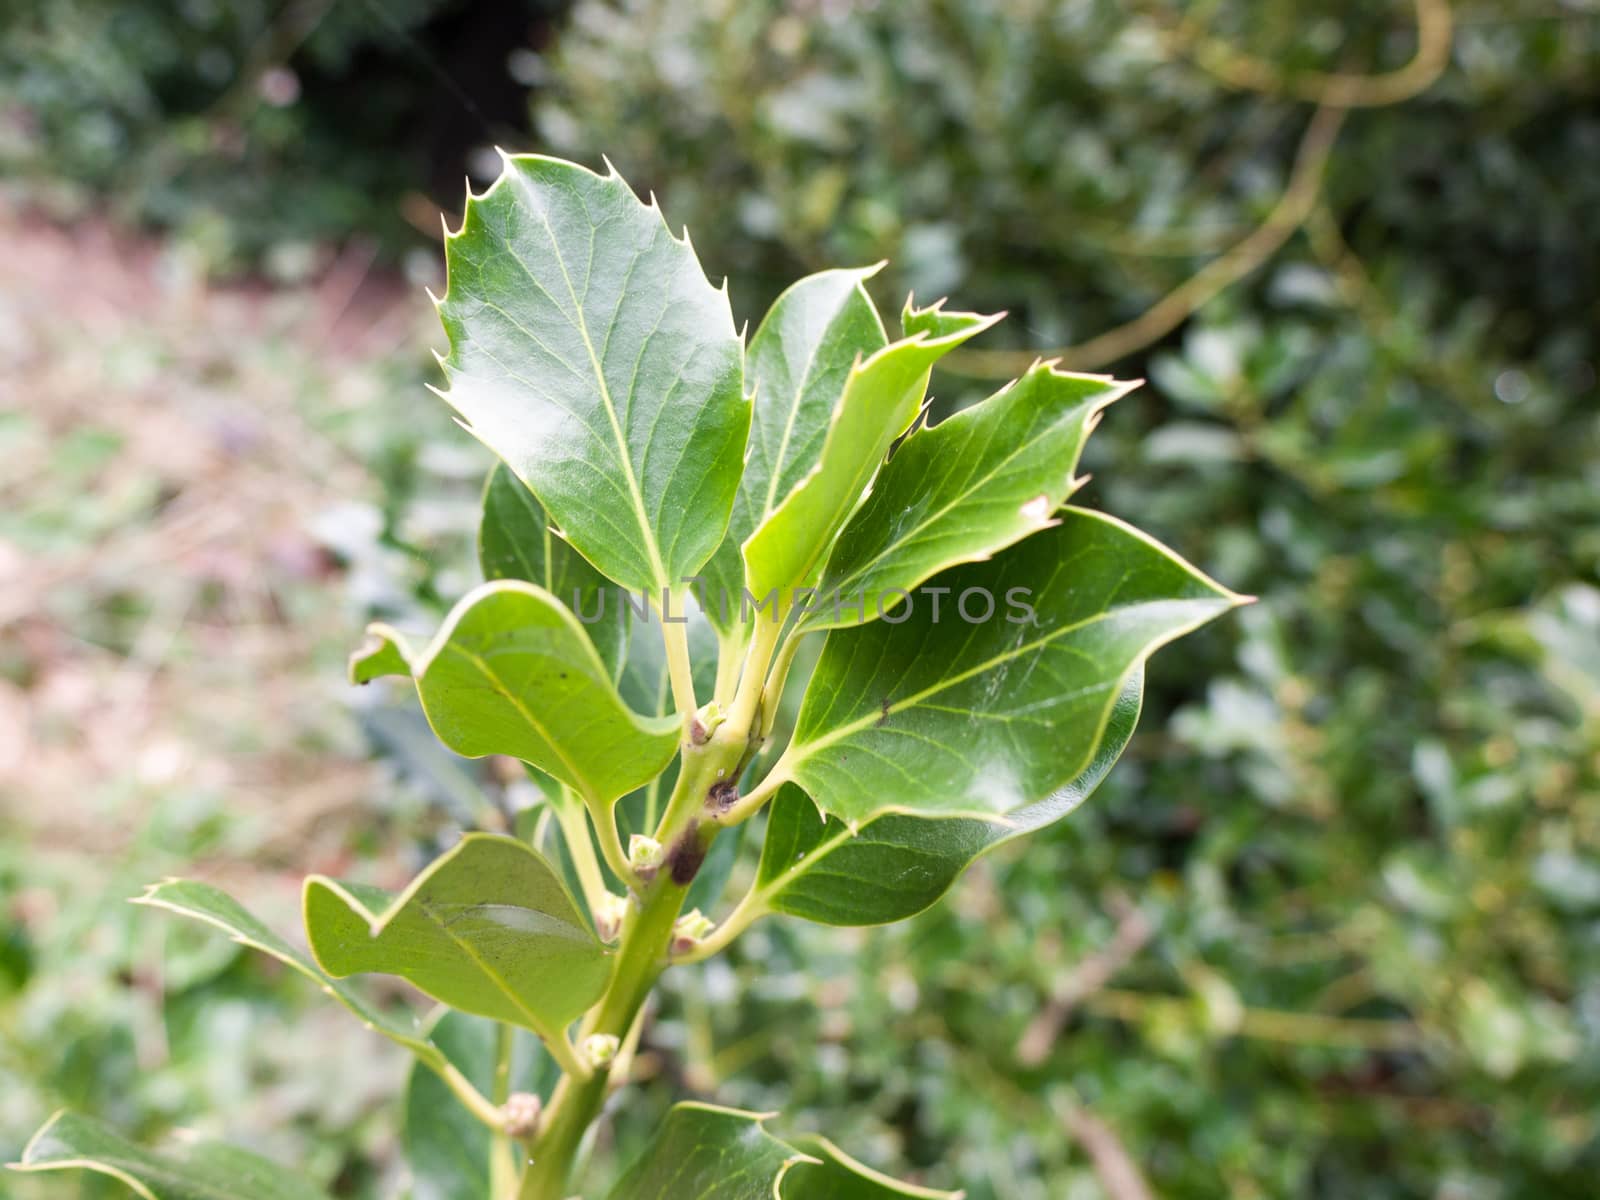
x=882 y=395
x=589 y=351
x=202 y=902
x=516 y=541
x=193 y=1171
x=959 y=492
x=724 y=1154
x=709 y=1153
x=513 y=672
x=935 y=716
x=831 y=1174
x=798 y=362
x=898 y=865
x=488 y=928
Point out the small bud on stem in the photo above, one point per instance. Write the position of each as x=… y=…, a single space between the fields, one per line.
x=520 y=1114
x=600 y=1049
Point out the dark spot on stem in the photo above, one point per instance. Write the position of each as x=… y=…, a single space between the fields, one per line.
x=723 y=795
x=686 y=856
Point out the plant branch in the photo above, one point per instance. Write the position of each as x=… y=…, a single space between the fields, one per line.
x=462 y=1088
x=1116 y=1169
x=750 y=909
x=1435 y=33
x=605 y=830
x=574 y=825
x=1132 y=932
x=675 y=637
x=641 y=956
x=753 y=679
x=502 y=1158
x=1178 y=305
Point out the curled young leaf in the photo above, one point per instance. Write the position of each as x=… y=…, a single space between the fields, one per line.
x=589 y=351
x=385 y=652
x=513 y=672
x=797 y=366
x=882 y=395
x=959 y=492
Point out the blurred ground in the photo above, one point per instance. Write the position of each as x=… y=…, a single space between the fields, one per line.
x=184 y=523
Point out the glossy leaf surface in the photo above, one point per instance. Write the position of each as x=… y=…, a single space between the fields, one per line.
x=711 y=1154
x=959 y=492
x=589 y=351
x=489 y=928
x=938 y=716
x=898 y=865
x=724 y=1154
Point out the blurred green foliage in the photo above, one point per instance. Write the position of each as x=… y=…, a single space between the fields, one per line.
x=254 y=129
x=1367 y=859
x=1388 y=809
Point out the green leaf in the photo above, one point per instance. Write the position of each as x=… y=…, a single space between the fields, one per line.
x=959 y=492
x=202 y=902
x=589 y=351
x=837 y=1176
x=488 y=928
x=192 y=1171
x=898 y=865
x=709 y=1153
x=798 y=362
x=936 y=716
x=446 y=1146
x=882 y=395
x=516 y=541
x=513 y=672
x=385 y=652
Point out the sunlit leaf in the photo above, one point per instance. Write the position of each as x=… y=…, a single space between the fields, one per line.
x=996 y=694
x=898 y=865
x=882 y=395
x=963 y=490
x=589 y=351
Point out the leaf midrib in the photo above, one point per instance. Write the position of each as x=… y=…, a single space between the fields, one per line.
x=975 y=483
x=499 y=981
x=582 y=326
x=794 y=412
x=585 y=785
x=809 y=748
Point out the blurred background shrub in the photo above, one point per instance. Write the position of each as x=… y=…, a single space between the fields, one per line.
x=1331 y=929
